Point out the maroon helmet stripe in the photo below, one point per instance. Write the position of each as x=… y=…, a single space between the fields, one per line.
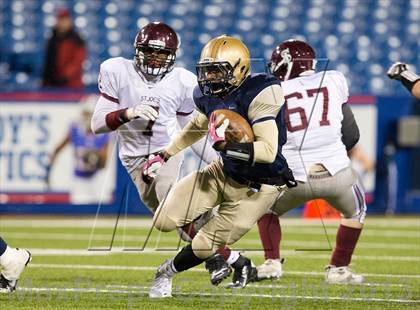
x=110 y=98
x=183 y=113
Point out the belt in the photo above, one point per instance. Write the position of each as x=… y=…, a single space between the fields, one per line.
x=255 y=187
x=318 y=171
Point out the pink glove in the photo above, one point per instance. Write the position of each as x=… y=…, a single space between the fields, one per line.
x=217 y=134
x=151 y=167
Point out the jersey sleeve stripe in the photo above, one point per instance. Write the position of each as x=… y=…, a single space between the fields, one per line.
x=263 y=119
x=183 y=113
x=110 y=98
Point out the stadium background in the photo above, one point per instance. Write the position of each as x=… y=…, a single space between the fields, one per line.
x=359 y=38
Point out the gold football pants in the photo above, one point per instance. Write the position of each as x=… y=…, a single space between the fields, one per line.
x=239 y=207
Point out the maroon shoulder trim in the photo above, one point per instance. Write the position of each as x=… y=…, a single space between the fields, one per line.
x=110 y=98
x=184 y=113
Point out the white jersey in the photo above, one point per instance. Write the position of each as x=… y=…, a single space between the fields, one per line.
x=313 y=119
x=122 y=84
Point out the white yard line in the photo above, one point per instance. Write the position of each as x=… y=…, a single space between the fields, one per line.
x=140 y=239
x=87 y=222
x=235 y=293
x=198 y=269
x=275 y=286
x=254 y=253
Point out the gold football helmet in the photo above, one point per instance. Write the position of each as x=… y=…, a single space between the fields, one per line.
x=224 y=64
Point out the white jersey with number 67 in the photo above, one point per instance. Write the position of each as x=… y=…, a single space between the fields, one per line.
x=313 y=116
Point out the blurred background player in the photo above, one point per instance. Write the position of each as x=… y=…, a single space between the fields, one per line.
x=400 y=71
x=247 y=178
x=320 y=130
x=65 y=54
x=12 y=263
x=90 y=156
x=146 y=100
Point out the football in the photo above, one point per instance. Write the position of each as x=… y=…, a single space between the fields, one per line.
x=238 y=129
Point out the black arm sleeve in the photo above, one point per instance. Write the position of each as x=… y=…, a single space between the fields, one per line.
x=240 y=151
x=349 y=129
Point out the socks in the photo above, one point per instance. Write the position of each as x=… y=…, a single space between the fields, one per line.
x=270 y=235
x=189 y=229
x=346 y=241
x=186 y=259
x=3 y=246
x=225 y=252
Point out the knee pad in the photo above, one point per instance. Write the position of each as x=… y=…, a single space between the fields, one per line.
x=163 y=223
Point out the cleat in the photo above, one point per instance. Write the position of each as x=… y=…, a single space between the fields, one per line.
x=244 y=272
x=271 y=269
x=12 y=262
x=342 y=275
x=218 y=268
x=162 y=284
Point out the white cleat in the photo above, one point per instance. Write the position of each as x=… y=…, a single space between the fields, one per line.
x=271 y=269
x=342 y=275
x=162 y=284
x=12 y=263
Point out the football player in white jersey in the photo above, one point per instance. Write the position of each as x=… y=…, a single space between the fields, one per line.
x=144 y=100
x=320 y=130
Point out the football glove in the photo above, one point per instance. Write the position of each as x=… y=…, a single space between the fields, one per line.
x=142 y=111
x=217 y=134
x=394 y=72
x=151 y=167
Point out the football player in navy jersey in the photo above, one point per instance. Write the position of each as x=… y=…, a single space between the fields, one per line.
x=247 y=178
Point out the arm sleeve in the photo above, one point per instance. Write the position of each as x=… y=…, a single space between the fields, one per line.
x=266 y=105
x=340 y=85
x=191 y=133
x=267 y=139
x=349 y=129
x=103 y=108
x=189 y=82
x=202 y=148
x=262 y=113
x=108 y=82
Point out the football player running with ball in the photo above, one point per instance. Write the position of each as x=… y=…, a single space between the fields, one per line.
x=144 y=101
x=247 y=178
x=320 y=131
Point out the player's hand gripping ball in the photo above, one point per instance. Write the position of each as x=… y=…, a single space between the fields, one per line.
x=228 y=126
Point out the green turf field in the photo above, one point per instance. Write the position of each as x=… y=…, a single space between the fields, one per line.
x=64 y=274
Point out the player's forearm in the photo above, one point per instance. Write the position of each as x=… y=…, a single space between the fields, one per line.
x=416 y=89
x=107 y=116
x=104 y=121
x=263 y=150
x=187 y=137
x=191 y=133
x=266 y=144
x=349 y=130
x=411 y=81
x=202 y=148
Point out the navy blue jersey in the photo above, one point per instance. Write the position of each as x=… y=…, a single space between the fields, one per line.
x=84 y=143
x=239 y=101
